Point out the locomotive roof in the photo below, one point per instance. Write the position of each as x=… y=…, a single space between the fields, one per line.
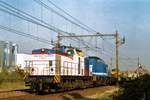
x=61 y=49
x=63 y=46
x=95 y=57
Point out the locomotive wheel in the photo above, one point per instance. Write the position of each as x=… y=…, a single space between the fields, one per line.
x=39 y=88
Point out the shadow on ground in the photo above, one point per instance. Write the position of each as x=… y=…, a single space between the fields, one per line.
x=138 y=89
x=25 y=90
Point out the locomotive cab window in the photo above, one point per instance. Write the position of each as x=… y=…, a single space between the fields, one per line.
x=70 y=52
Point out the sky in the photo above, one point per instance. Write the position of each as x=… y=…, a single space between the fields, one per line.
x=129 y=17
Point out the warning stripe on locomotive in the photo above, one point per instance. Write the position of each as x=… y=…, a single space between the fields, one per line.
x=57 y=79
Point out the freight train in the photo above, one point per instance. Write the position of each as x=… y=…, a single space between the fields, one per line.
x=65 y=68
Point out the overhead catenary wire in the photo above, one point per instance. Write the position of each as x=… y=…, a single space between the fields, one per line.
x=23 y=15
x=51 y=9
x=28 y=17
x=75 y=19
x=89 y=28
x=20 y=14
x=70 y=15
x=26 y=35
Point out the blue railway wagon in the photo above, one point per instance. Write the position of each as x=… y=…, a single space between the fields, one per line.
x=97 y=65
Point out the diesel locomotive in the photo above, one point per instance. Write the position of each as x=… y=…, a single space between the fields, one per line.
x=65 y=68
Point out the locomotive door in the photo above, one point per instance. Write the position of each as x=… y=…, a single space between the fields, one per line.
x=58 y=65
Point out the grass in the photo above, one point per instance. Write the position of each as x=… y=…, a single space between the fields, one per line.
x=12 y=85
x=11 y=79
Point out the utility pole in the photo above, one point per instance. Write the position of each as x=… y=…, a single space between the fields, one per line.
x=57 y=77
x=138 y=61
x=58 y=40
x=117 y=55
x=111 y=63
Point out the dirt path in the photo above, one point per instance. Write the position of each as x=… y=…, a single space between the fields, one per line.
x=71 y=95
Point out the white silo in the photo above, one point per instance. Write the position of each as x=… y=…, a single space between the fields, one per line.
x=8 y=50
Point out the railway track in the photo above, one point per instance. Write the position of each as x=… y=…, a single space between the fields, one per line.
x=60 y=95
x=12 y=97
x=12 y=94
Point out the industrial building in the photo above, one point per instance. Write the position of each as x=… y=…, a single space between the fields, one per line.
x=8 y=51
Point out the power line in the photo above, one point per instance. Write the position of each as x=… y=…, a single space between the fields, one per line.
x=51 y=9
x=25 y=34
x=70 y=15
x=24 y=15
x=20 y=14
x=73 y=17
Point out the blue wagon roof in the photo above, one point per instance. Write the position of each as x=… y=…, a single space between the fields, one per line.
x=94 y=57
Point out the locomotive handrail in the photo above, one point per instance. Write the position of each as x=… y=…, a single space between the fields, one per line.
x=67 y=67
x=47 y=69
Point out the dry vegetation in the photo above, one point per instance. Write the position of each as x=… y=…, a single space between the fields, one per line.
x=11 y=79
